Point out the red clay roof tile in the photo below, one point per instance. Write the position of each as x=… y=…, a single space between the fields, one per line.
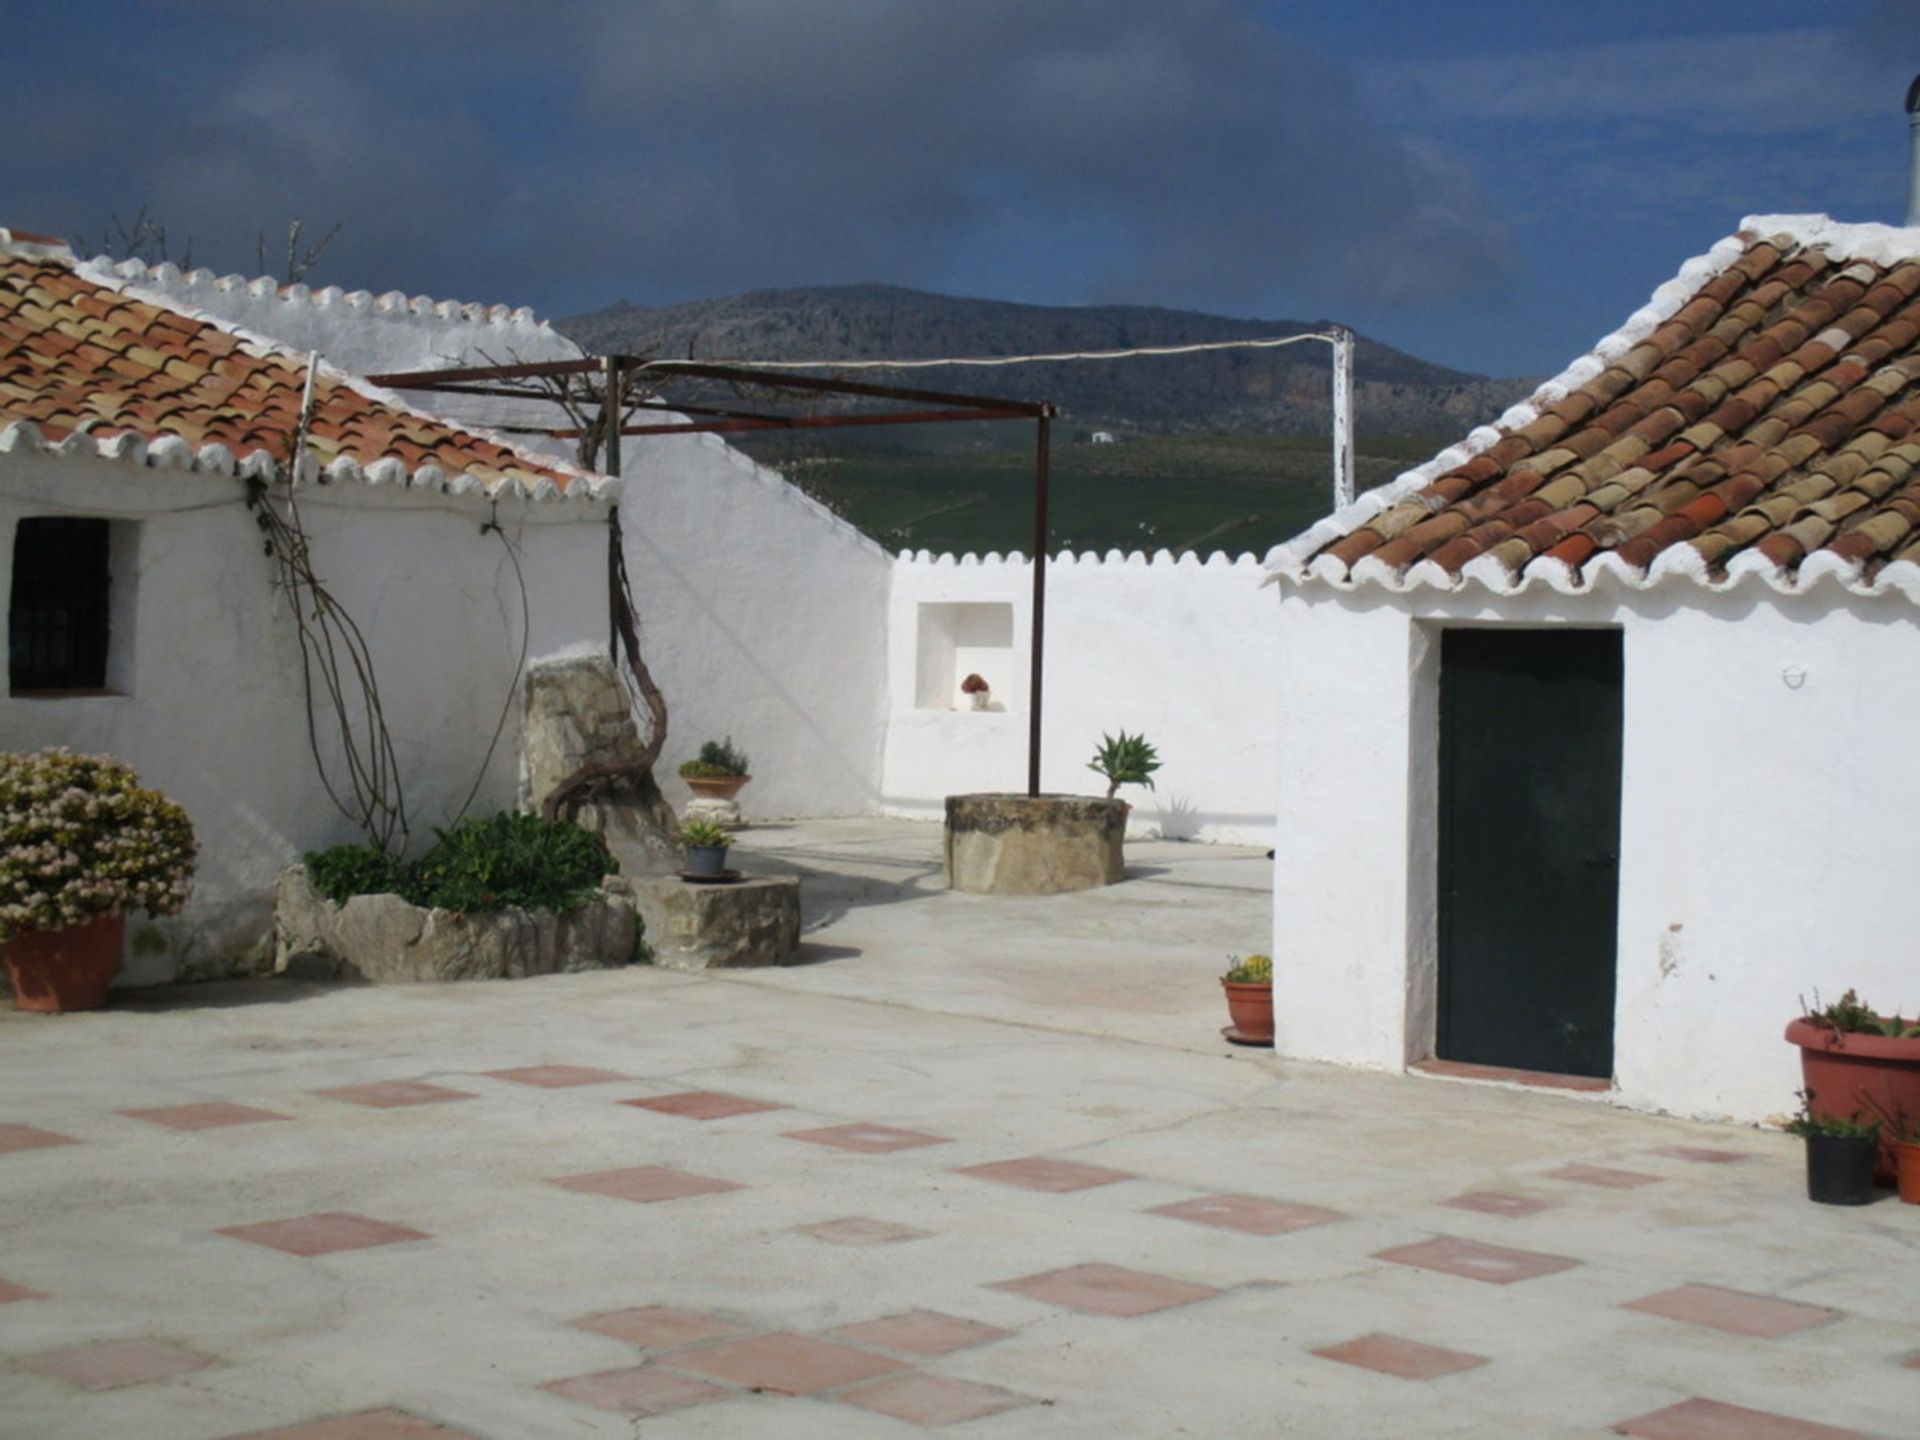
x=155 y=371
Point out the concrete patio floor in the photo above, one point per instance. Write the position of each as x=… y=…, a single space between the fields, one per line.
x=981 y=1164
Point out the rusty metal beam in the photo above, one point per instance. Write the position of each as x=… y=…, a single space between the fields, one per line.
x=782 y=380
x=783 y=422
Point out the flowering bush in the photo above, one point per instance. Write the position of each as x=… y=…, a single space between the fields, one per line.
x=974 y=685
x=80 y=838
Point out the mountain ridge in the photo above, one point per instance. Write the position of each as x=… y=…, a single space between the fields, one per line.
x=1221 y=391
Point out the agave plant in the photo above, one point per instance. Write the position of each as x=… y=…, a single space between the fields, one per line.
x=1125 y=760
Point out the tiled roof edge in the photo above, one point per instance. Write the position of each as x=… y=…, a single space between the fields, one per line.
x=1132 y=559
x=1293 y=562
x=586 y=486
x=391 y=303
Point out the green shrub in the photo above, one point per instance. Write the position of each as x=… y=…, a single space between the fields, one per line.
x=1853 y=1016
x=341 y=872
x=486 y=863
x=718 y=761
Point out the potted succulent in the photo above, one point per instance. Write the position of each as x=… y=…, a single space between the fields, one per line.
x=718 y=773
x=1249 y=987
x=81 y=844
x=706 y=849
x=976 y=689
x=1840 y=1153
x=1854 y=1058
x=1125 y=760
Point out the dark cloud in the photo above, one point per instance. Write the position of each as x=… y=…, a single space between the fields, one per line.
x=564 y=154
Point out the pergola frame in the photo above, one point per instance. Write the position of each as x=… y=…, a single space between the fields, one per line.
x=536 y=381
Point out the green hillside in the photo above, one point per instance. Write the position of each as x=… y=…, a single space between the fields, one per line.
x=1214 y=492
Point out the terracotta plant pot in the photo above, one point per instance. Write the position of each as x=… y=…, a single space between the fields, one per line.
x=715 y=787
x=1869 y=1075
x=58 y=970
x=1840 y=1169
x=1906 y=1169
x=1250 y=1007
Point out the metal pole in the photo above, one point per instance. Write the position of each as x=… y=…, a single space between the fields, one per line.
x=1342 y=417
x=611 y=416
x=1041 y=460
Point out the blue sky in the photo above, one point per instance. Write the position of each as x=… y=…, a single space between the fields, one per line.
x=1491 y=185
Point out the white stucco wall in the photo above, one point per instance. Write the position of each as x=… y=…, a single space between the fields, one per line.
x=763 y=616
x=212 y=712
x=1763 y=829
x=1184 y=651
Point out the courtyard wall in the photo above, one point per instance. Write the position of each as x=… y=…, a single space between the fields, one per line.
x=1183 y=650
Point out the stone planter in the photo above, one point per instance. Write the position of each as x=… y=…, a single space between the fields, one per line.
x=1033 y=844
x=713 y=799
x=384 y=939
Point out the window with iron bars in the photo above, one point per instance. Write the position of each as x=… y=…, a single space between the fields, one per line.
x=58 y=616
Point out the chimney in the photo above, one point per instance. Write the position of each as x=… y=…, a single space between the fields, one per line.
x=1913 y=152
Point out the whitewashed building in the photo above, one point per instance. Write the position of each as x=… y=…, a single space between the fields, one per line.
x=1592 y=731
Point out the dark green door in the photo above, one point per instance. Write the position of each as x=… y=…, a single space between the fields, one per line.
x=1529 y=848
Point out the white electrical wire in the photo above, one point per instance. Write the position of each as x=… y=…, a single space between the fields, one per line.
x=985 y=361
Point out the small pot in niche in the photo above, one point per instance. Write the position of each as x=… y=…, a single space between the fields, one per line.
x=979 y=694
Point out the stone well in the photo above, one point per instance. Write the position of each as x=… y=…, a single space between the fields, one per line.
x=1033 y=844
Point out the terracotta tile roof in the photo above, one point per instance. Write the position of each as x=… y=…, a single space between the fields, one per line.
x=1761 y=416
x=89 y=365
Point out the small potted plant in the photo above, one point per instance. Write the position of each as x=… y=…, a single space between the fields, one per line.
x=718 y=773
x=1854 y=1058
x=706 y=845
x=1840 y=1153
x=1125 y=760
x=976 y=689
x=1249 y=986
x=81 y=844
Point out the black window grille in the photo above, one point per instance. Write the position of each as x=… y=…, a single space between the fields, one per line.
x=57 y=618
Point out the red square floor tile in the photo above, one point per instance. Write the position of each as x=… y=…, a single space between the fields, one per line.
x=658 y=1327
x=641 y=1390
x=645 y=1183
x=861 y=1230
x=207 y=1115
x=1912 y=1362
x=1107 y=1290
x=920 y=1332
x=555 y=1077
x=1039 y=1173
x=389 y=1094
x=1603 y=1177
x=703 y=1105
x=932 y=1399
x=1494 y=1264
x=867 y=1139
x=323 y=1234
x=1494 y=1202
x=363 y=1425
x=1698 y=1419
x=10 y=1293
x=29 y=1137
x=786 y=1363
x=1701 y=1154
x=1397 y=1355
x=1248 y=1214
x=110 y=1364
x=1733 y=1311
